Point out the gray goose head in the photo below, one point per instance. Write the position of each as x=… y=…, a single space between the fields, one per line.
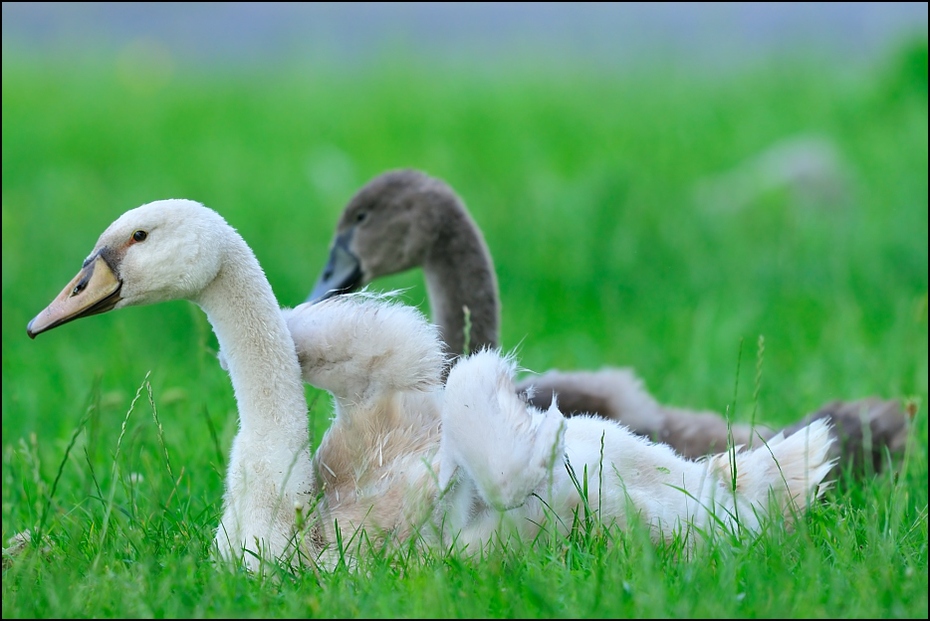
x=403 y=219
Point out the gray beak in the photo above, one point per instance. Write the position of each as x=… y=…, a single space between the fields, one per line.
x=342 y=274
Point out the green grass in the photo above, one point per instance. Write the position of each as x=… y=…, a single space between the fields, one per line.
x=585 y=185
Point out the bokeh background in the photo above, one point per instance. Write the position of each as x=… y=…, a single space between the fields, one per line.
x=660 y=183
x=708 y=36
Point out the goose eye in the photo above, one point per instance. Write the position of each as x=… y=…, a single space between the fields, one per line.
x=139 y=236
x=360 y=216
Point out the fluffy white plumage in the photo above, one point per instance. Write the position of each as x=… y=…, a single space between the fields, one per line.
x=529 y=467
x=473 y=461
x=376 y=464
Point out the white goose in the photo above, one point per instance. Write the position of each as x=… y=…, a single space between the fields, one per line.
x=403 y=219
x=179 y=249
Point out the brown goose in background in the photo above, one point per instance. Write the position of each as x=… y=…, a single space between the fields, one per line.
x=403 y=219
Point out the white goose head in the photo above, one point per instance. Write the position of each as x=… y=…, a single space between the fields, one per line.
x=164 y=250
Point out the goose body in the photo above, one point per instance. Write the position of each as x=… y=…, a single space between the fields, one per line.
x=403 y=219
x=539 y=463
x=377 y=463
x=471 y=462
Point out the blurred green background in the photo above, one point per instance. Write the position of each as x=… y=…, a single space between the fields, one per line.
x=662 y=214
x=646 y=214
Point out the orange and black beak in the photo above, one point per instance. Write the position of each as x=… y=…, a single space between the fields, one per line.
x=96 y=289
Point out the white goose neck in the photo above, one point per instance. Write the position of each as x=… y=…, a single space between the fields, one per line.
x=258 y=347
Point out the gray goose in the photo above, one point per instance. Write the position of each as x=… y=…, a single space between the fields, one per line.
x=403 y=219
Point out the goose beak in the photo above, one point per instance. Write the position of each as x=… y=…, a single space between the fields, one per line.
x=95 y=289
x=343 y=271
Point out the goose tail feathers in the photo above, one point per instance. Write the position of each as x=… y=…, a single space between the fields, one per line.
x=785 y=474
